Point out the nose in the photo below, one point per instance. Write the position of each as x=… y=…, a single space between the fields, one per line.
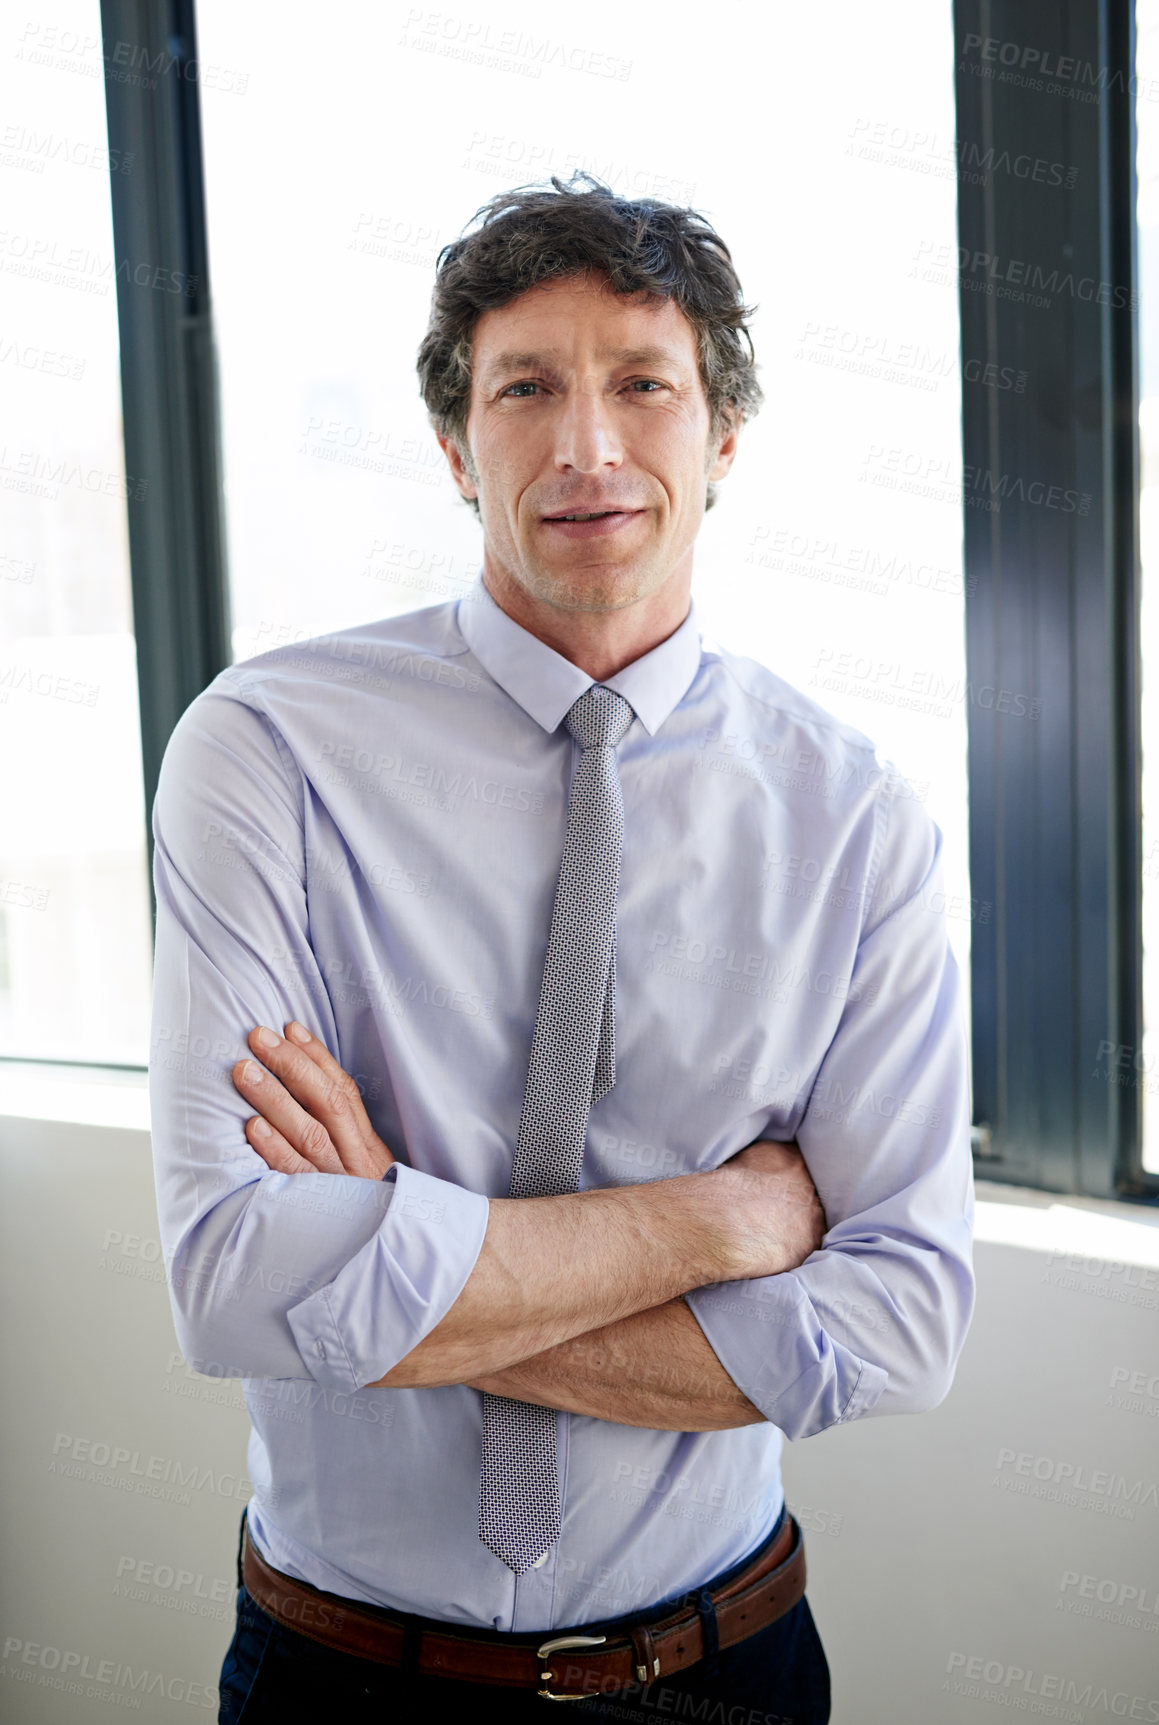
x=586 y=439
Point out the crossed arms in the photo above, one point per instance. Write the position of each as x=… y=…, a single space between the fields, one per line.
x=574 y=1302
x=693 y=1303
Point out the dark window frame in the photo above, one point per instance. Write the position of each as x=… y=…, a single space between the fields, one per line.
x=169 y=381
x=1046 y=158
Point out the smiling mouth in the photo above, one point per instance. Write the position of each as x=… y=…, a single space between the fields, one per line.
x=592 y=515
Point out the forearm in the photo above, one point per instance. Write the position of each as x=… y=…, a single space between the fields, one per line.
x=546 y=1270
x=654 y=1369
x=552 y=1269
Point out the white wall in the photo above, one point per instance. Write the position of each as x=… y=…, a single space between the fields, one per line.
x=951 y=1576
x=89 y=1360
x=928 y=1547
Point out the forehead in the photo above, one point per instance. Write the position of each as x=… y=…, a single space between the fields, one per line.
x=579 y=318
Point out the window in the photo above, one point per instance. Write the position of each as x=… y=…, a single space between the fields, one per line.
x=74 y=904
x=854 y=531
x=835 y=551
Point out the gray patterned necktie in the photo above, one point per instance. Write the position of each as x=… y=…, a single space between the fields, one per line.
x=573 y=1064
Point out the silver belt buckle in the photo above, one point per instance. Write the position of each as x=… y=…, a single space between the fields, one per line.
x=549 y=1647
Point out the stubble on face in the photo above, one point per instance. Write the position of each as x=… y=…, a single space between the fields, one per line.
x=600 y=588
x=646 y=473
x=596 y=587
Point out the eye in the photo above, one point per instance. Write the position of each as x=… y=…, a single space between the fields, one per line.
x=646 y=384
x=525 y=385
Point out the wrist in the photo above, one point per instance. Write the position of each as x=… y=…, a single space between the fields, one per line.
x=690 y=1216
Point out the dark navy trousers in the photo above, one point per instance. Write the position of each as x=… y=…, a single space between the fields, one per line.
x=273 y=1675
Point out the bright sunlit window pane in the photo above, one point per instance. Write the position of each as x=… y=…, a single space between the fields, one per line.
x=835 y=552
x=74 y=906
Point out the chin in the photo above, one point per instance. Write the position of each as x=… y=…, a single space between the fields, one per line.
x=591 y=589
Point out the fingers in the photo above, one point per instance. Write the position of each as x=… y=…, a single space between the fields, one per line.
x=308 y=1098
x=274 y=1150
x=327 y=1094
x=295 y=1131
x=316 y=1050
x=373 y=1157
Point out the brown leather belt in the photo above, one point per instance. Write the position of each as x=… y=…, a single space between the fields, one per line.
x=563 y=1667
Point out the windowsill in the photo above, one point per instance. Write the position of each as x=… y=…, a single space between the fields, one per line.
x=1092 y=1228
x=75 y=1095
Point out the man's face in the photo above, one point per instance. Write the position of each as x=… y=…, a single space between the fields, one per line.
x=585 y=402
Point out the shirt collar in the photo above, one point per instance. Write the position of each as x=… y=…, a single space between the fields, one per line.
x=546 y=685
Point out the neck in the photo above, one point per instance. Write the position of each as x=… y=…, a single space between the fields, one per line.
x=599 y=642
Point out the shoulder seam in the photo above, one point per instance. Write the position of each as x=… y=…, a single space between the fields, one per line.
x=881 y=817
x=834 y=725
x=252 y=698
x=449 y=650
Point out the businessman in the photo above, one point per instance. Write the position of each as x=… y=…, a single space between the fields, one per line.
x=604 y=1114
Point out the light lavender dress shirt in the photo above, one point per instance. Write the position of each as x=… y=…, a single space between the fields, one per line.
x=363 y=831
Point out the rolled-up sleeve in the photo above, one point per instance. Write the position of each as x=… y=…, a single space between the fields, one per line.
x=271 y=1276
x=874 y=1321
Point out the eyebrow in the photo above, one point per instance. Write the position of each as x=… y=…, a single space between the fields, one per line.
x=548 y=359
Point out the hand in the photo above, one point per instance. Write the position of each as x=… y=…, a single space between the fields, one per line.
x=312 y=1121
x=775 y=1217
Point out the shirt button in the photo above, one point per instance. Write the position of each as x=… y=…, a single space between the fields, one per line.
x=320 y=1350
x=540 y=1561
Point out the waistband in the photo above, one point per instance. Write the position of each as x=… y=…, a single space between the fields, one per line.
x=589 y=1660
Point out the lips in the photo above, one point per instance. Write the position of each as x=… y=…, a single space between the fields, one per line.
x=594 y=524
x=588 y=514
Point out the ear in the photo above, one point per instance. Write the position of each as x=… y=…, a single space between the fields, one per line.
x=726 y=449
x=464 y=483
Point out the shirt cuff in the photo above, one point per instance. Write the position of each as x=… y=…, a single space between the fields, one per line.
x=778 y=1355
x=395 y=1290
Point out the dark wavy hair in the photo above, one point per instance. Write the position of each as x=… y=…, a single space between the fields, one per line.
x=534 y=234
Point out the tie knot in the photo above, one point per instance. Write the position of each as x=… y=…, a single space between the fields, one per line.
x=599 y=718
